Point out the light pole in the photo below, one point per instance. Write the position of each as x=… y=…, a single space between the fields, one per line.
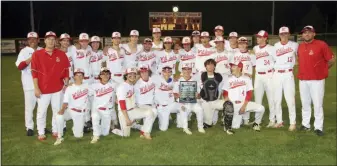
x=32 y=16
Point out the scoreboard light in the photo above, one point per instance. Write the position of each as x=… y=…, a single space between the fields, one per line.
x=175 y=9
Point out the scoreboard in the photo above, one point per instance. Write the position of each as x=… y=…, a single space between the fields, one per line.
x=175 y=21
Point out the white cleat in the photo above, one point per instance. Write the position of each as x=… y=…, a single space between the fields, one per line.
x=230 y=132
x=58 y=141
x=271 y=124
x=201 y=130
x=94 y=139
x=146 y=136
x=292 y=127
x=187 y=131
x=256 y=127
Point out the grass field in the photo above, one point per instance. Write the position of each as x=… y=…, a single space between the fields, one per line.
x=270 y=146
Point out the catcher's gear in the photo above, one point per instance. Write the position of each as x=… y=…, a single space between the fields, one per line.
x=228 y=111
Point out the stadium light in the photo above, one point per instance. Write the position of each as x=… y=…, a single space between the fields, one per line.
x=175 y=9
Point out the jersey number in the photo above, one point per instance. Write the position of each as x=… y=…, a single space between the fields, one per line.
x=247 y=66
x=243 y=93
x=290 y=59
x=266 y=62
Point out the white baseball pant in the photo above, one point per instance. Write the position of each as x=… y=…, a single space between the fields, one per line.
x=312 y=90
x=164 y=112
x=263 y=82
x=284 y=82
x=30 y=102
x=251 y=107
x=101 y=120
x=88 y=109
x=210 y=108
x=78 y=122
x=153 y=108
x=136 y=113
x=42 y=106
x=184 y=113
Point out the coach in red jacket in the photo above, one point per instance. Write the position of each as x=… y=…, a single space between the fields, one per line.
x=50 y=71
x=314 y=59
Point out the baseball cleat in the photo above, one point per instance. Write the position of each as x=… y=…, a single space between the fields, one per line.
x=30 y=132
x=94 y=139
x=207 y=126
x=256 y=127
x=146 y=136
x=230 y=132
x=64 y=130
x=292 y=127
x=270 y=124
x=42 y=137
x=201 y=130
x=303 y=128
x=55 y=135
x=319 y=132
x=86 y=130
x=58 y=141
x=278 y=125
x=187 y=131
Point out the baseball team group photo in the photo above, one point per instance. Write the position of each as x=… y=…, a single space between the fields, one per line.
x=176 y=89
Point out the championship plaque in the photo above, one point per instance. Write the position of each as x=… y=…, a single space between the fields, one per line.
x=187 y=91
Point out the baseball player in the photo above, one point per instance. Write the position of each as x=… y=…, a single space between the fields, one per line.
x=102 y=104
x=157 y=44
x=238 y=89
x=187 y=108
x=127 y=110
x=219 y=31
x=49 y=89
x=145 y=90
x=114 y=59
x=196 y=39
x=164 y=97
x=233 y=42
x=147 y=56
x=265 y=54
x=187 y=55
x=74 y=107
x=283 y=78
x=204 y=52
x=23 y=63
x=65 y=41
x=95 y=59
x=132 y=49
x=166 y=56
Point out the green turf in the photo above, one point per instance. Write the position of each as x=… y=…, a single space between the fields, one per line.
x=270 y=146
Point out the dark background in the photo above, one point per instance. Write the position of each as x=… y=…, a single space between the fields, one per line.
x=102 y=18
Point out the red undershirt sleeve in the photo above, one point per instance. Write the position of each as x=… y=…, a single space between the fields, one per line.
x=249 y=95
x=225 y=93
x=122 y=104
x=22 y=65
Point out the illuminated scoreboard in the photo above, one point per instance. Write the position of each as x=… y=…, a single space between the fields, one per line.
x=172 y=21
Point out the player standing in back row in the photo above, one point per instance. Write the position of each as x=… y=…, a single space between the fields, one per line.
x=166 y=56
x=204 y=52
x=157 y=44
x=283 y=78
x=265 y=54
x=219 y=31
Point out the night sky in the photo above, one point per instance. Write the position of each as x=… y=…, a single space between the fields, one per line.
x=102 y=18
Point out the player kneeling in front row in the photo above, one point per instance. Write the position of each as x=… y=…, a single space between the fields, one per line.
x=187 y=108
x=102 y=104
x=75 y=102
x=127 y=110
x=238 y=90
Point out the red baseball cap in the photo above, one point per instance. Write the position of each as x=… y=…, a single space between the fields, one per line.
x=262 y=33
x=236 y=63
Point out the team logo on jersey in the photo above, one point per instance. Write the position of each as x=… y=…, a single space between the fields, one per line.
x=147 y=88
x=205 y=52
x=283 y=51
x=146 y=57
x=57 y=59
x=93 y=59
x=165 y=60
x=129 y=93
x=103 y=91
x=80 y=93
x=220 y=58
x=80 y=54
x=241 y=58
x=165 y=87
x=311 y=52
x=236 y=83
x=261 y=54
x=187 y=57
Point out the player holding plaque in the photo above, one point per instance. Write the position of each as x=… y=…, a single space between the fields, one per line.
x=187 y=90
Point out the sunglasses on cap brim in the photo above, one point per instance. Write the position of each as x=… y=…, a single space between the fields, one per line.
x=187 y=68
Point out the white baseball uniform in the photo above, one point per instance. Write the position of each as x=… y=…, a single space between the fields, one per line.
x=81 y=60
x=237 y=88
x=164 y=58
x=189 y=107
x=77 y=98
x=71 y=72
x=144 y=91
x=95 y=65
x=263 y=76
x=102 y=107
x=164 y=100
x=203 y=53
x=283 y=79
x=226 y=44
x=130 y=59
x=125 y=92
x=28 y=85
x=232 y=50
x=114 y=61
x=160 y=46
x=188 y=57
x=222 y=66
x=147 y=59
x=248 y=60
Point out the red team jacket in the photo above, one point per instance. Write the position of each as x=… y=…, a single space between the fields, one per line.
x=50 y=70
x=313 y=60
